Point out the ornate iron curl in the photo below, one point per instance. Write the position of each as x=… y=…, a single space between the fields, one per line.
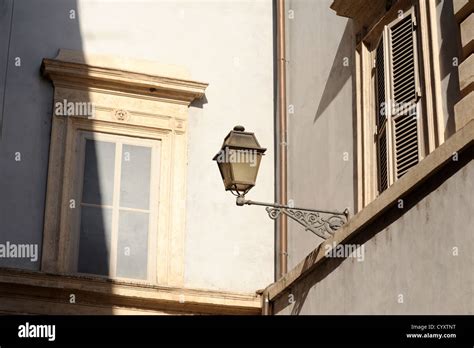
x=322 y=223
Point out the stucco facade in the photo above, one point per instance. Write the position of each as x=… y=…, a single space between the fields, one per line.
x=197 y=40
x=320 y=126
x=176 y=77
x=407 y=249
x=414 y=260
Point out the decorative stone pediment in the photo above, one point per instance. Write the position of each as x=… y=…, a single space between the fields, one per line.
x=74 y=69
x=121 y=90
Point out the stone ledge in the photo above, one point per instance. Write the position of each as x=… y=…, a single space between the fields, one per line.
x=48 y=290
x=467 y=35
x=416 y=176
x=462 y=8
x=466 y=75
x=355 y=8
x=463 y=110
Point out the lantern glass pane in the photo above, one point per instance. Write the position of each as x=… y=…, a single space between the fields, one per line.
x=245 y=165
x=224 y=168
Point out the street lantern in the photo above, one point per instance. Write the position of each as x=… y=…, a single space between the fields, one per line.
x=239 y=160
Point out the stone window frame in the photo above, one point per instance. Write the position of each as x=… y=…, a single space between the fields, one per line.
x=430 y=83
x=130 y=98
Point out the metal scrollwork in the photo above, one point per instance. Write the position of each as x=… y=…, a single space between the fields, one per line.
x=322 y=223
x=273 y=213
x=312 y=221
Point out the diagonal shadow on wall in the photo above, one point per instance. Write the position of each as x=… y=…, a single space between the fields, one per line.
x=339 y=73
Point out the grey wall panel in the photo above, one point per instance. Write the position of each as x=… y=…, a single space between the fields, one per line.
x=321 y=150
x=39 y=29
x=6 y=14
x=415 y=261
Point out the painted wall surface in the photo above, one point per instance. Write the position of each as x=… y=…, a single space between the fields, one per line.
x=321 y=138
x=228 y=44
x=36 y=30
x=422 y=263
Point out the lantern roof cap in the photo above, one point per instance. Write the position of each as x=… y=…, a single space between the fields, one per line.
x=238 y=138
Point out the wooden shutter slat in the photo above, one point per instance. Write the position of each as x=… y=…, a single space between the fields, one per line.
x=406 y=165
x=402 y=141
x=402 y=51
x=403 y=153
x=403 y=80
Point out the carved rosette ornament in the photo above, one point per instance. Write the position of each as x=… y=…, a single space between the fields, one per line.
x=121 y=115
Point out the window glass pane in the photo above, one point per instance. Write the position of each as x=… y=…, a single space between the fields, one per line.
x=135 y=177
x=94 y=243
x=132 y=253
x=99 y=166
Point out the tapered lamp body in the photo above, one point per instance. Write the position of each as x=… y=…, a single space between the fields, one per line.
x=239 y=160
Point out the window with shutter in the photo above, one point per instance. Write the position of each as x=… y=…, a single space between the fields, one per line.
x=399 y=114
x=397 y=96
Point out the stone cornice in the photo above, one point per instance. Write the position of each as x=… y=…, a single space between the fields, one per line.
x=55 y=289
x=353 y=8
x=82 y=74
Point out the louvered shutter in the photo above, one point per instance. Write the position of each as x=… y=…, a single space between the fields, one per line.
x=404 y=93
x=381 y=118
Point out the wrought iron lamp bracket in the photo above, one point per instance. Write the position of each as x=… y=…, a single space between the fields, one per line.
x=322 y=223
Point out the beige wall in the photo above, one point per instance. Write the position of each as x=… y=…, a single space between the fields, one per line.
x=227 y=44
x=320 y=131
